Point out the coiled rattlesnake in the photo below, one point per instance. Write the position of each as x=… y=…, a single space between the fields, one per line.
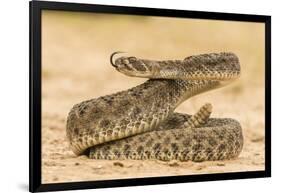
x=140 y=123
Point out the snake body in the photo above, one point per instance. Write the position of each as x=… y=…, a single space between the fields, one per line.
x=140 y=123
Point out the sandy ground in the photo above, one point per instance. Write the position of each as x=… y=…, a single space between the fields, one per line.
x=75 y=67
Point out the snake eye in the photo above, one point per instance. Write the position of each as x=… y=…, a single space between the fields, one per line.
x=132 y=59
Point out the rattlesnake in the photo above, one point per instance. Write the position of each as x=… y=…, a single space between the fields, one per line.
x=140 y=123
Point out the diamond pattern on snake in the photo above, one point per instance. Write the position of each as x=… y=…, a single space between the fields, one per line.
x=141 y=122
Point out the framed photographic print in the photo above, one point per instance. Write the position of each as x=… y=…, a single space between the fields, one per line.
x=126 y=96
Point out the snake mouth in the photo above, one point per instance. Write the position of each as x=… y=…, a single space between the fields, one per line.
x=111 y=58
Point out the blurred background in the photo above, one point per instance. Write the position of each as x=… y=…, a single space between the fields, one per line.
x=76 y=48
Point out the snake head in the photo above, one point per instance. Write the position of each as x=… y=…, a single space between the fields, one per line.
x=132 y=66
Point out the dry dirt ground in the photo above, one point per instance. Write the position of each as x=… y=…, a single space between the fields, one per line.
x=75 y=67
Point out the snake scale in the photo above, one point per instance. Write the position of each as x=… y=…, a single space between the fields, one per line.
x=140 y=123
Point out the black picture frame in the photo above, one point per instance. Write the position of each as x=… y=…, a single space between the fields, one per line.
x=35 y=162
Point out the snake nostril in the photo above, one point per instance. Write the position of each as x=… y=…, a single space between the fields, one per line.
x=126 y=61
